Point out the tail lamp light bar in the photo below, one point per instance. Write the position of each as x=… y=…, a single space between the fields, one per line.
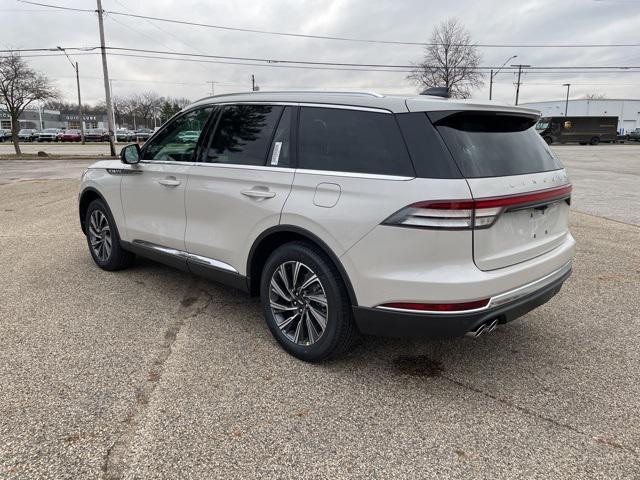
x=471 y=214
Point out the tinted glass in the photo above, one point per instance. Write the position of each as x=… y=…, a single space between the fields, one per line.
x=496 y=145
x=280 y=151
x=178 y=140
x=243 y=135
x=352 y=141
x=430 y=156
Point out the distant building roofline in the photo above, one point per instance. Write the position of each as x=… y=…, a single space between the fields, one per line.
x=563 y=100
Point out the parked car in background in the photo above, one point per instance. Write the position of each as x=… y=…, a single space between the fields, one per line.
x=49 y=135
x=28 y=135
x=70 y=136
x=96 y=135
x=4 y=135
x=190 y=136
x=124 y=135
x=396 y=215
x=143 y=134
x=634 y=135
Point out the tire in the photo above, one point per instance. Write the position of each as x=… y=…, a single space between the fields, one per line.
x=307 y=339
x=549 y=140
x=594 y=141
x=111 y=256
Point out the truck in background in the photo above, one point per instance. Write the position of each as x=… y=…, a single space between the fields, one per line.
x=582 y=130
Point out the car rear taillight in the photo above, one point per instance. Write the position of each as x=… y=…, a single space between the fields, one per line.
x=469 y=214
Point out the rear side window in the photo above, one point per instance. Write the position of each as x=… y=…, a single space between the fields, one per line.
x=430 y=156
x=490 y=145
x=342 y=140
x=243 y=135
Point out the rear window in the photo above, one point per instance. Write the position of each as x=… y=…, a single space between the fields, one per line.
x=490 y=145
x=356 y=141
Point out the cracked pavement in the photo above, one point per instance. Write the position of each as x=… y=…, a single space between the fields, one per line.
x=150 y=373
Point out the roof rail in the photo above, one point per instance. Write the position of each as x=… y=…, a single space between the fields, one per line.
x=319 y=92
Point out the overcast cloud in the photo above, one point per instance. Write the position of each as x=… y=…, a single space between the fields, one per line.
x=489 y=21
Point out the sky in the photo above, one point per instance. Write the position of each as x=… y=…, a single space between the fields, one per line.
x=513 y=22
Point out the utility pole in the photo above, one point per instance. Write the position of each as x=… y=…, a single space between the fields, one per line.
x=491 y=84
x=80 y=114
x=212 y=90
x=105 y=72
x=492 y=75
x=566 y=103
x=520 y=67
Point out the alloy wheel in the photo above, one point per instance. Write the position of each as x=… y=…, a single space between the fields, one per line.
x=100 y=235
x=298 y=303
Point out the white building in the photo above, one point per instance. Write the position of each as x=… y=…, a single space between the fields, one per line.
x=627 y=111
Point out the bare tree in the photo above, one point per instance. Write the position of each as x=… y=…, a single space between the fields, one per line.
x=20 y=86
x=450 y=60
x=595 y=96
x=146 y=106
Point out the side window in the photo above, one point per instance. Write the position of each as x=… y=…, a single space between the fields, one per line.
x=280 y=151
x=355 y=141
x=178 y=140
x=243 y=134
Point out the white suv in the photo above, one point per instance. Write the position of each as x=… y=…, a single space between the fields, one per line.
x=391 y=215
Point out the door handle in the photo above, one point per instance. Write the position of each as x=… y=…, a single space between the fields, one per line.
x=253 y=193
x=169 y=182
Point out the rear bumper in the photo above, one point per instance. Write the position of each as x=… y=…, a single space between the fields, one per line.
x=393 y=323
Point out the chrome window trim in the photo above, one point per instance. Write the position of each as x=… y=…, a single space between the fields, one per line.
x=264 y=168
x=371 y=176
x=202 y=260
x=502 y=298
x=267 y=168
x=168 y=162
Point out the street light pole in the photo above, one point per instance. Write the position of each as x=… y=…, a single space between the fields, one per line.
x=113 y=112
x=80 y=113
x=492 y=75
x=566 y=103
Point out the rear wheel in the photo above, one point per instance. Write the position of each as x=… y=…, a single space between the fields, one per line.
x=594 y=140
x=103 y=238
x=305 y=303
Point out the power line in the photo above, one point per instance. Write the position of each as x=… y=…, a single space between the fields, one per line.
x=335 y=38
x=275 y=62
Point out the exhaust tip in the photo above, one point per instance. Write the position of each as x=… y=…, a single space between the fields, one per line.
x=486 y=327
x=477 y=332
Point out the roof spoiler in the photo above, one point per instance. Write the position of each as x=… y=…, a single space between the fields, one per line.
x=443 y=92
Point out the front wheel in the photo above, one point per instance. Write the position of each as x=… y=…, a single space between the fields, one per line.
x=594 y=141
x=305 y=304
x=103 y=238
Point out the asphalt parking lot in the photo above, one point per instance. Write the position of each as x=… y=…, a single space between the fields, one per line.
x=150 y=373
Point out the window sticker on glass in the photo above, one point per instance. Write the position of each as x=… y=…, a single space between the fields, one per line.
x=276 y=153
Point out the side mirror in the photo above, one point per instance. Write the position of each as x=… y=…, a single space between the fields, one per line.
x=130 y=154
